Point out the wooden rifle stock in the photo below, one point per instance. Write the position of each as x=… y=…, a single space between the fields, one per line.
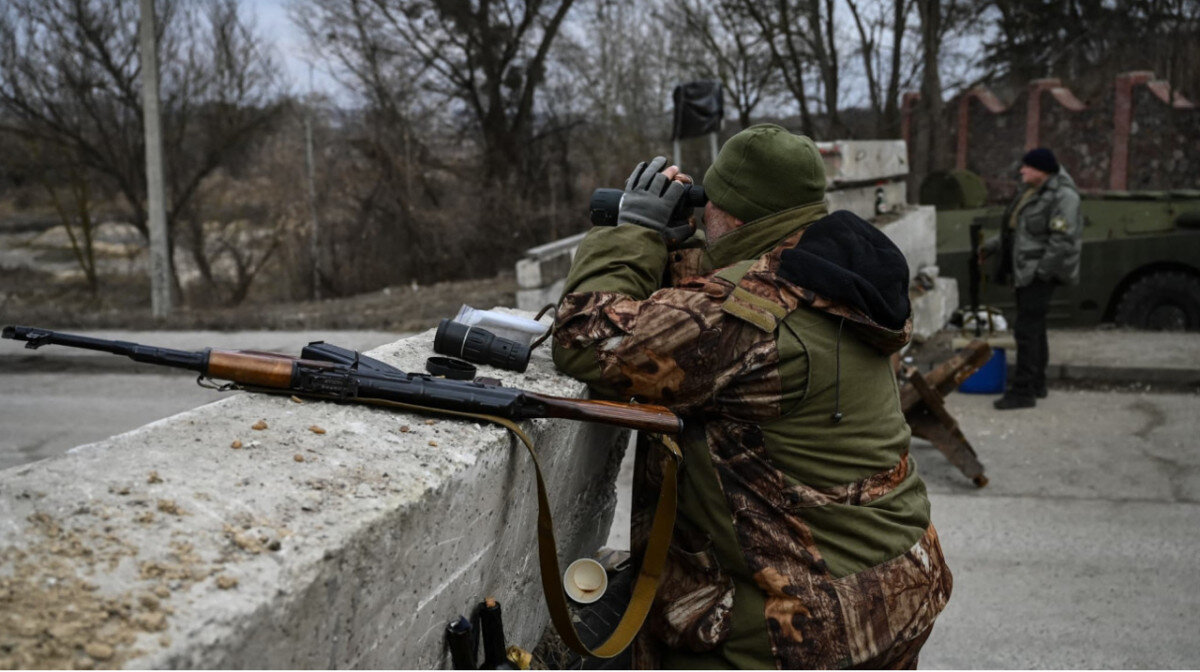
x=260 y=369
x=643 y=417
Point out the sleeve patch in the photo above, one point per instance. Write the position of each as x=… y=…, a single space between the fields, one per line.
x=1058 y=224
x=754 y=309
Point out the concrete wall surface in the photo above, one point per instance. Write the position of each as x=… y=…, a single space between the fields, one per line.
x=931 y=308
x=870 y=201
x=332 y=537
x=914 y=231
x=542 y=272
x=863 y=160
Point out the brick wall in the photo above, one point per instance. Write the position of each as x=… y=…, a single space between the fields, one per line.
x=1161 y=144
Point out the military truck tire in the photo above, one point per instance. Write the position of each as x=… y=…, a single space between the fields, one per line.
x=1162 y=301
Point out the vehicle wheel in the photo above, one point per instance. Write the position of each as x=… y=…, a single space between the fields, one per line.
x=1163 y=301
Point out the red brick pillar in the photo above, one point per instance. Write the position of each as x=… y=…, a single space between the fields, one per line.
x=1118 y=167
x=1033 y=109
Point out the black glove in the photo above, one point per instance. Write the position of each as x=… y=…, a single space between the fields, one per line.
x=651 y=200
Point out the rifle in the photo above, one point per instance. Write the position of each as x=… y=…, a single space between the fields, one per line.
x=326 y=371
x=334 y=373
x=973 y=274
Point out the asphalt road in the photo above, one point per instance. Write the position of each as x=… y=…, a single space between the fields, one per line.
x=47 y=414
x=55 y=398
x=1081 y=552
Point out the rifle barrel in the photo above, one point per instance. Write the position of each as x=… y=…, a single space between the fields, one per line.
x=35 y=337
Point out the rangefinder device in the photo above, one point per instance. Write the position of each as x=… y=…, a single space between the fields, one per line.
x=606 y=204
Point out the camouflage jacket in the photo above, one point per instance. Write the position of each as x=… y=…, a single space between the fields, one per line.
x=802 y=541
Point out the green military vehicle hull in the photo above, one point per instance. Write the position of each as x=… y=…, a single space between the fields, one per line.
x=1140 y=264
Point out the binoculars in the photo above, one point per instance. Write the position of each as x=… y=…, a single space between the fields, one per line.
x=606 y=204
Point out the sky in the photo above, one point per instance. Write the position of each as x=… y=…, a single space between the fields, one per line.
x=290 y=45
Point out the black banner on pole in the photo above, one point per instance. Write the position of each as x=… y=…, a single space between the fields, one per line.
x=699 y=109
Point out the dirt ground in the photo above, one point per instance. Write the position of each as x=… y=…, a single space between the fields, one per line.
x=32 y=298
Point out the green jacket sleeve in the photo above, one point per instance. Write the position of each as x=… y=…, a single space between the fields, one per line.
x=625 y=259
x=1061 y=260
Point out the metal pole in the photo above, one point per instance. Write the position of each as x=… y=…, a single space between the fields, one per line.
x=160 y=256
x=677 y=157
x=309 y=166
x=712 y=146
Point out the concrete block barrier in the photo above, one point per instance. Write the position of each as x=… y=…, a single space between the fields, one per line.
x=542 y=271
x=869 y=201
x=259 y=532
x=853 y=161
x=914 y=231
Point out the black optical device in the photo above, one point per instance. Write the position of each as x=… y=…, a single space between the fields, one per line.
x=606 y=204
x=480 y=346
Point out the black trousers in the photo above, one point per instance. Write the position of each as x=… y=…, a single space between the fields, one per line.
x=1033 y=351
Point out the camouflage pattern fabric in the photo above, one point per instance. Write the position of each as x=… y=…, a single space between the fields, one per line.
x=708 y=348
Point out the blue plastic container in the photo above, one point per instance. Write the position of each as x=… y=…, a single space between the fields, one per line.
x=990 y=377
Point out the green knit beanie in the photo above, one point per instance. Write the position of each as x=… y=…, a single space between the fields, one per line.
x=763 y=170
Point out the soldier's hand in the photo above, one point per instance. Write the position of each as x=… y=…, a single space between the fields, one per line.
x=651 y=197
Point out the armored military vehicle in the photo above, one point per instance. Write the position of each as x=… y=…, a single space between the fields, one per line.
x=1141 y=254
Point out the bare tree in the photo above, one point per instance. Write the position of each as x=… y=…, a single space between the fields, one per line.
x=731 y=49
x=780 y=26
x=1089 y=42
x=70 y=78
x=74 y=209
x=939 y=20
x=803 y=38
x=489 y=56
x=881 y=26
x=612 y=76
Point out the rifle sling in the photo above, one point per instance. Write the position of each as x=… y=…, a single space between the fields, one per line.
x=653 y=562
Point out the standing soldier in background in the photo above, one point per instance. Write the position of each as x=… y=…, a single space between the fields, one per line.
x=1040 y=241
x=803 y=537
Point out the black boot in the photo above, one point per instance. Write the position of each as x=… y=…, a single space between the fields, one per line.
x=1011 y=401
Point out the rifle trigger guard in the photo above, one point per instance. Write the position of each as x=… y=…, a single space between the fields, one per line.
x=208 y=384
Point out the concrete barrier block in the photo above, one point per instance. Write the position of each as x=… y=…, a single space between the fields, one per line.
x=914 y=231
x=335 y=536
x=869 y=201
x=863 y=160
x=932 y=308
x=529 y=273
x=533 y=300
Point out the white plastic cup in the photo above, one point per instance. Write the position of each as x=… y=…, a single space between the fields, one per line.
x=585 y=580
